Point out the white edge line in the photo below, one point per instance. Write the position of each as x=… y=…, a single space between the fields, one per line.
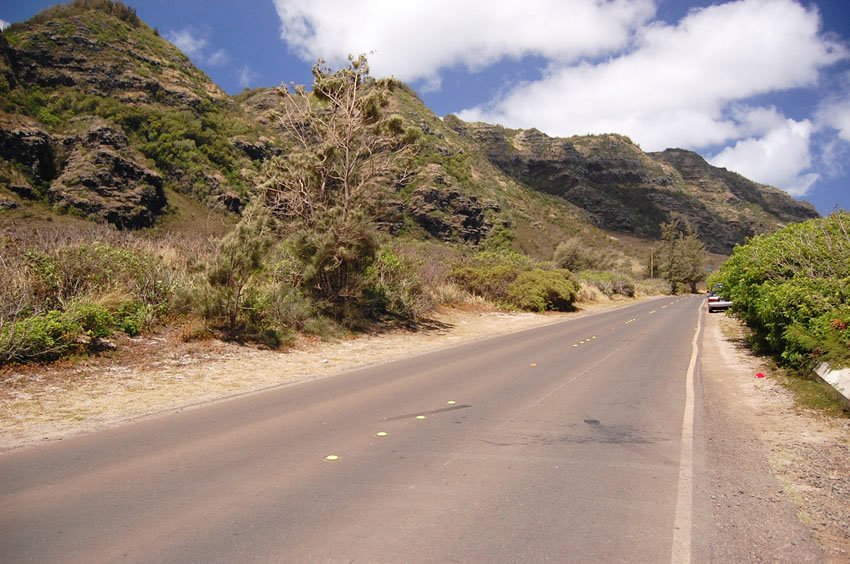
x=683 y=520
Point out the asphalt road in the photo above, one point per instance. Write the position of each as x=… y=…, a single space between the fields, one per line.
x=563 y=442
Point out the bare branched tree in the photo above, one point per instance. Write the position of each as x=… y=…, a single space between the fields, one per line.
x=345 y=153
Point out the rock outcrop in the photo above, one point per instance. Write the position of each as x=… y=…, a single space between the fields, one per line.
x=446 y=213
x=106 y=179
x=23 y=141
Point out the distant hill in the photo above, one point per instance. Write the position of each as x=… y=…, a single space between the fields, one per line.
x=101 y=118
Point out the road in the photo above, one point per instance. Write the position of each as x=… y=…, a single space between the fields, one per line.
x=570 y=442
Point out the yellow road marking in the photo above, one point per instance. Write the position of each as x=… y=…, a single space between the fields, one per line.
x=451 y=402
x=331 y=457
x=381 y=434
x=420 y=417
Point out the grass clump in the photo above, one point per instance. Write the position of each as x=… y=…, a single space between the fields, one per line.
x=64 y=292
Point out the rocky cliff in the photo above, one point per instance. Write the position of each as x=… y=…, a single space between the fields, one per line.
x=625 y=190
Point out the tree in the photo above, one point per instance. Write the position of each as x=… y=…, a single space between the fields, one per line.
x=681 y=256
x=345 y=157
x=692 y=251
x=345 y=154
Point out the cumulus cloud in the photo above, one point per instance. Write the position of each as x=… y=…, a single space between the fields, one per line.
x=188 y=40
x=194 y=42
x=679 y=84
x=836 y=115
x=414 y=40
x=781 y=157
x=4 y=24
x=247 y=76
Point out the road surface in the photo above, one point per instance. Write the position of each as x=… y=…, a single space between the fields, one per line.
x=570 y=442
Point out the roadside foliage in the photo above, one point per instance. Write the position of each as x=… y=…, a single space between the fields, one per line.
x=792 y=288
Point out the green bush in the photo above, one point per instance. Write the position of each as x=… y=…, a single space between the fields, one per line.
x=489 y=274
x=490 y=282
x=394 y=287
x=793 y=289
x=40 y=337
x=55 y=333
x=61 y=290
x=575 y=255
x=543 y=290
x=232 y=300
x=70 y=271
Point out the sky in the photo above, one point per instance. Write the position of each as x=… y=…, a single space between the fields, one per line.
x=761 y=87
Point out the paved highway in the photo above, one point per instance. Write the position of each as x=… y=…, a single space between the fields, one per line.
x=570 y=442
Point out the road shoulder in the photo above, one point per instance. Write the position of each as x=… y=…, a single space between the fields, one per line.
x=778 y=478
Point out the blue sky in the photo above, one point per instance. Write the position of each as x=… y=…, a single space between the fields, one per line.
x=758 y=86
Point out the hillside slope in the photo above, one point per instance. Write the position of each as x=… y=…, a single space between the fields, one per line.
x=103 y=118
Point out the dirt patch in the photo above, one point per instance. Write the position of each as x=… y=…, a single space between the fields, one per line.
x=807 y=452
x=159 y=373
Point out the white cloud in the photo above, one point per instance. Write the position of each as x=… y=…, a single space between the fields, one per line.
x=247 y=76
x=679 y=86
x=194 y=43
x=218 y=58
x=189 y=40
x=415 y=39
x=4 y=24
x=836 y=115
x=782 y=157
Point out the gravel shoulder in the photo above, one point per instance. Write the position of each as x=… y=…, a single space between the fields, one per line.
x=159 y=373
x=778 y=483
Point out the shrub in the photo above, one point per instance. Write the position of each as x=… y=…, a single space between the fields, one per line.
x=489 y=274
x=335 y=257
x=232 y=299
x=60 y=290
x=576 y=256
x=49 y=335
x=490 y=281
x=543 y=290
x=792 y=288
x=394 y=287
x=39 y=337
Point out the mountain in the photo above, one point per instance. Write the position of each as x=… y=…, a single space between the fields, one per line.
x=100 y=118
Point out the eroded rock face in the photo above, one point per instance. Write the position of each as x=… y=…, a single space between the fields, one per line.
x=24 y=142
x=623 y=189
x=105 y=179
x=448 y=214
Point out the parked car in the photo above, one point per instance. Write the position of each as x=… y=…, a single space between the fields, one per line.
x=717 y=303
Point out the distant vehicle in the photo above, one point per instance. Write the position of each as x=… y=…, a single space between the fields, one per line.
x=716 y=303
